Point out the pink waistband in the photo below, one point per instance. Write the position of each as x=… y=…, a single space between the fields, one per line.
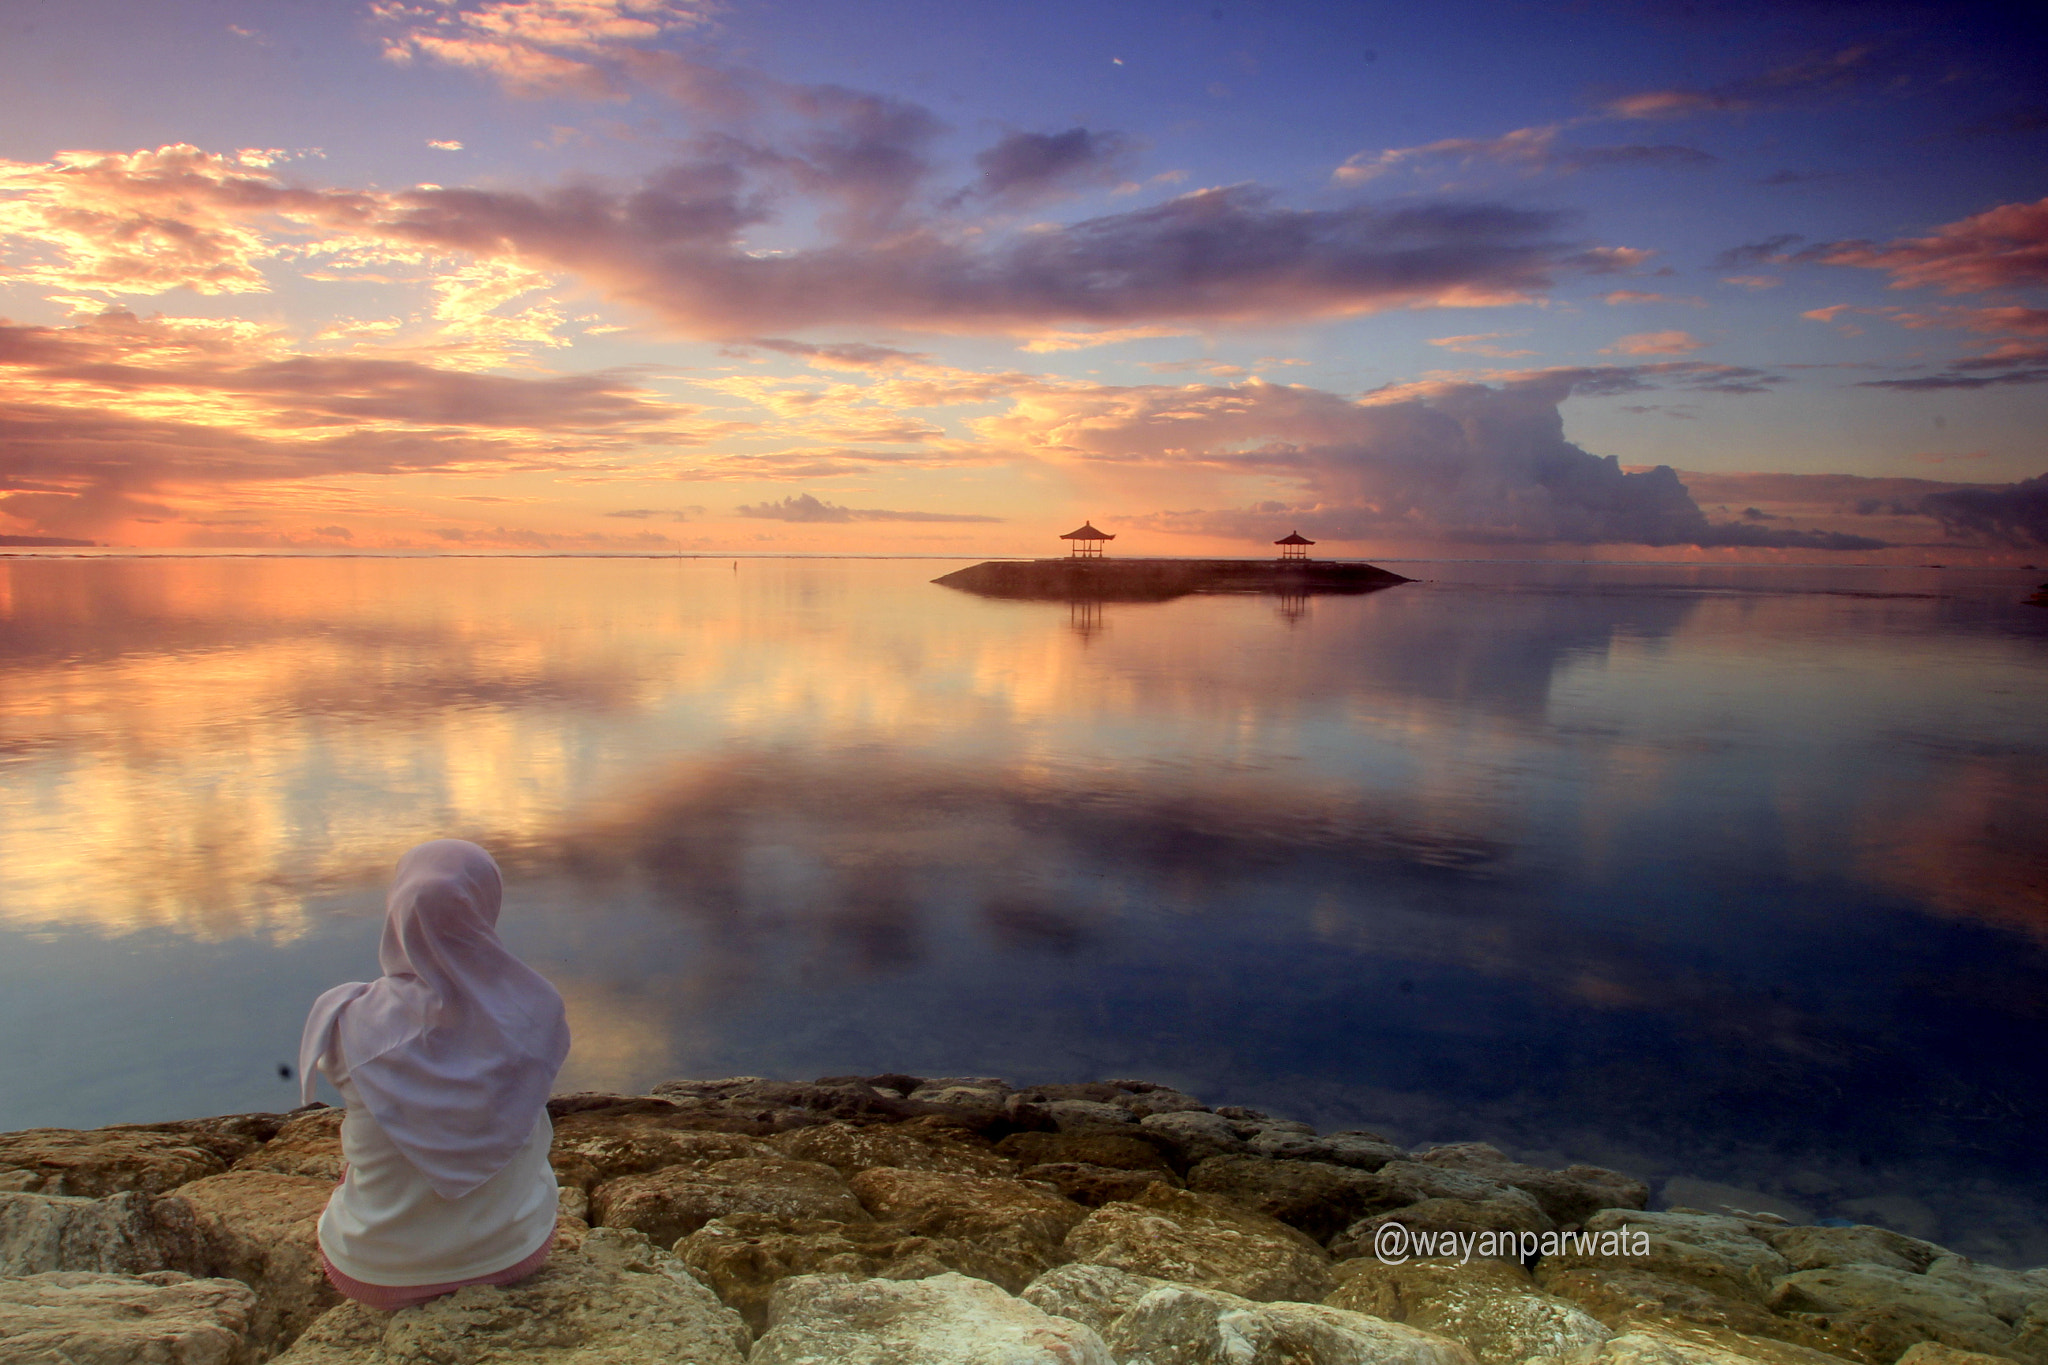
x=389 y=1297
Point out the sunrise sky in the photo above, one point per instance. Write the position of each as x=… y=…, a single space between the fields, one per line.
x=933 y=277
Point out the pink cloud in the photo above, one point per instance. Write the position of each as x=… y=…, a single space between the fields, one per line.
x=1656 y=343
x=122 y=416
x=1529 y=150
x=1480 y=343
x=1823 y=72
x=533 y=47
x=2001 y=248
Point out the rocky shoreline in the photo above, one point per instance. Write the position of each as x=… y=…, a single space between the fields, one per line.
x=962 y=1220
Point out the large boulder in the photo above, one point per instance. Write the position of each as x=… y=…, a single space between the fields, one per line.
x=1694 y=1344
x=309 y=1143
x=1365 y=1151
x=1005 y=1215
x=1434 y=1226
x=919 y=1145
x=743 y=1256
x=674 y=1202
x=615 y=1300
x=783 y=1105
x=43 y=1232
x=1094 y=1186
x=589 y=1149
x=1315 y=1196
x=1726 y=1256
x=1934 y=1353
x=1205 y=1241
x=1891 y=1310
x=1149 y=1320
x=2009 y=1294
x=1624 y=1298
x=942 y=1320
x=261 y=1228
x=92 y=1162
x=159 y=1318
x=1139 y=1151
x=1491 y=1307
x=1571 y=1195
x=1812 y=1248
x=1193 y=1136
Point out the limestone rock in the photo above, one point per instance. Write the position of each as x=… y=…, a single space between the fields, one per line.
x=1692 y=1344
x=160 y=1318
x=1094 y=1186
x=946 y=1319
x=981 y=1101
x=1934 y=1353
x=1365 y=1151
x=1089 y=1116
x=1571 y=1195
x=915 y=1146
x=676 y=1201
x=1156 y=1100
x=1432 y=1219
x=1315 y=1196
x=614 y=1301
x=2007 y=1293
x=1720 y=1254
x=2030 y=1334
x=590 y=1149
x=1893 y=1309
x=967 y=1206
x=1814 y=1248
x=1622 y=1298
x=835 y=1097
x=258 y=1227
x=1205 y=1241
x=1196 y=1136
x=92 y=1162
x=1409 y=1182
x=743 y=1256
x=1148 y=1321
x=307 y=1144
x=1121 y=1151
x=1491 y=1307
x=45 y=1232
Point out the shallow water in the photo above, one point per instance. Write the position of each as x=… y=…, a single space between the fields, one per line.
x=1735 y=875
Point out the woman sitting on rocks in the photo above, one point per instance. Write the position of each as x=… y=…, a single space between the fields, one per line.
x=445 y=1063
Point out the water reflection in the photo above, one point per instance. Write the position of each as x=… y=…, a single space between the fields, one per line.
x=1736 y=874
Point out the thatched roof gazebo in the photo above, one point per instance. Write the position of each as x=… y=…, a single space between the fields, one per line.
x=1294 y=545
x=1087 y=542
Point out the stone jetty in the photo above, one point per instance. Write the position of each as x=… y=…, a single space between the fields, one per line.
x=1162 y=580
x=965 y=1221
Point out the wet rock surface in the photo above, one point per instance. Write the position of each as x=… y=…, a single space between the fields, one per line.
x=906 y=1219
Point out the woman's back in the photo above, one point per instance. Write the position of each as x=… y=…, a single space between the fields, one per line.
x=445 y=1063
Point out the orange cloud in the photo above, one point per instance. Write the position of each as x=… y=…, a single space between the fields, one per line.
x=2001 y=248
x=124 y=417
x=1655 y=343
x=532 y=47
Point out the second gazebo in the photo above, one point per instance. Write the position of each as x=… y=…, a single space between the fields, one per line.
x=1294 y=545
x=1087 y=542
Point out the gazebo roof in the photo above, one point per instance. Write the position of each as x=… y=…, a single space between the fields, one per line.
x=1087 y=532
x=1295 y=538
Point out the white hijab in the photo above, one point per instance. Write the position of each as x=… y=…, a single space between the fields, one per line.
x=455 y=1047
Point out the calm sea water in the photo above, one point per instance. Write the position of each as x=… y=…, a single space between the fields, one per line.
x=1728 y=877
